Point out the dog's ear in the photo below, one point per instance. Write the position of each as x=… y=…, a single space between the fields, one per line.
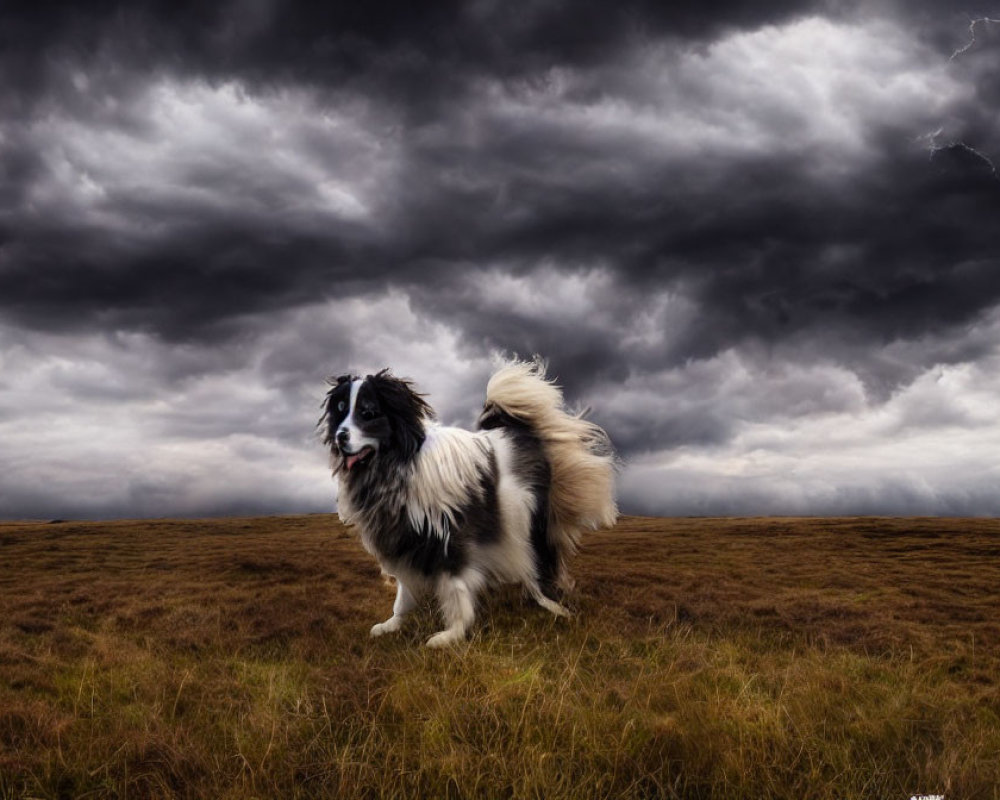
x=334 y=384
x=405 y=408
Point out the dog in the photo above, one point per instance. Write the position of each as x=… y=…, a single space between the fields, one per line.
x=452 y=511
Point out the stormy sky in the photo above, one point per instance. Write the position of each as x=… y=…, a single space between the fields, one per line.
x=761 y=241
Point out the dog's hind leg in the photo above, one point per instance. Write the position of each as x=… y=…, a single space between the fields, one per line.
x=457 y=597
x=405 y=601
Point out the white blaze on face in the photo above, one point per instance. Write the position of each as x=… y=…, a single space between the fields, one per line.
x=353 y=449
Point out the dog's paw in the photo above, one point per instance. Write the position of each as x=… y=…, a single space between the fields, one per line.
x=445 y=638
x=391 y=625
x=553 y=607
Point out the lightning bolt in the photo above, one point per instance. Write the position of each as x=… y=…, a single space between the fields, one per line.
x=934 y=147
x=972 y=35
x=933 y=139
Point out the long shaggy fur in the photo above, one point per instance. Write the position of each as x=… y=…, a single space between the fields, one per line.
x=450 y=511
x=582 y=492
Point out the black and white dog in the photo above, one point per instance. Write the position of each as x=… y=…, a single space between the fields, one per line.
x=449 y=510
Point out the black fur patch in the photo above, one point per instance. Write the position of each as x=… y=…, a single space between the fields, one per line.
x=420 y=550
x=403 y=408
x=479 y=520
x=533 y=468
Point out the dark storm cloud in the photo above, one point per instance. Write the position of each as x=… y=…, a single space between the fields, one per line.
x=763 y=242
x=330 y=42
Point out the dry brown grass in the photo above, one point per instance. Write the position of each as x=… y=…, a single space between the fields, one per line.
x=785 y=658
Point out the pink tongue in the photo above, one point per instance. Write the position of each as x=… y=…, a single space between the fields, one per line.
x=353 y=459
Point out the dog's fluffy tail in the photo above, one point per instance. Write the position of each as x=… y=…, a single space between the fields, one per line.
x=583 y=463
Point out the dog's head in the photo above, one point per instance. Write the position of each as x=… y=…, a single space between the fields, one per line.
x=372 y=418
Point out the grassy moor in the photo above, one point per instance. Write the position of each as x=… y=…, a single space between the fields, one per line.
x=707 y=658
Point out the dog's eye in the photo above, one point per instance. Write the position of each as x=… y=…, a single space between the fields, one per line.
x=341 y=405
x=367 y=413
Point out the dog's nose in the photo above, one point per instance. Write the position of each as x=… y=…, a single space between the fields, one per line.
x=343 y=436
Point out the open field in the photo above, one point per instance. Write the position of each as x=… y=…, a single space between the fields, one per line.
x=729 y=658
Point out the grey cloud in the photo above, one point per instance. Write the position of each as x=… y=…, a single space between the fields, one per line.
x=676 y=494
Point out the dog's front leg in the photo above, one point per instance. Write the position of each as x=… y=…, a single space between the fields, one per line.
x=405 y=601
x=457 y=597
